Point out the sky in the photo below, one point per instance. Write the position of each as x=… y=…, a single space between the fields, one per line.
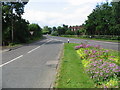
x=58 y=12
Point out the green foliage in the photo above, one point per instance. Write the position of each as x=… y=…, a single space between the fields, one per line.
x=37 y=31
x=104 y=20
x=71 y=71
x=13 y=21
x=46 y=30
x=112 y=83
x=60 y=29
x=21 y=33
x=54 y=33
x=100 y=64
x=68 y=32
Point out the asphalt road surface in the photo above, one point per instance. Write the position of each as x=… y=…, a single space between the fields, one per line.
x=31 y=66
x=34 y=65
x=103 y=44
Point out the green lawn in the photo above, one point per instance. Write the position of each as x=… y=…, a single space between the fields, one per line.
x=71 y=72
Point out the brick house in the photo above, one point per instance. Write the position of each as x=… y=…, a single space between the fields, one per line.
x=75 y=28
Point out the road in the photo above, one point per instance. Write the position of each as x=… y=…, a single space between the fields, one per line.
x=34 y=65
x=31 y=66
x=104 y=44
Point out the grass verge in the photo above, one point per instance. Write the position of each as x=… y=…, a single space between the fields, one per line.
x=12 y=45
x=71 y=73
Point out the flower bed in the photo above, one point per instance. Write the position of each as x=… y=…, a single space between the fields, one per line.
x=100 y=65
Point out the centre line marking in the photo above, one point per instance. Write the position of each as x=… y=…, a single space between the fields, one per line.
x=11 y=61
x=38 y=47
x=34 y=49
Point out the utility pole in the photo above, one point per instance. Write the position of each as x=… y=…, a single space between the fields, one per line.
x=12 y=26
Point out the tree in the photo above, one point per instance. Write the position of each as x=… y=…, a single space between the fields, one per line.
x=12 y=20
x=47 y=30
x=60 y=30
x=115 y=25
x=104 y=20
x=68 y=32
x=36 y=29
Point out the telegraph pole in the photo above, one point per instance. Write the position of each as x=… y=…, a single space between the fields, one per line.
x=12 y=26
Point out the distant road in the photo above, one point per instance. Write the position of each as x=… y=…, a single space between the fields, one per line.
x=31 y=66
x=104 y=44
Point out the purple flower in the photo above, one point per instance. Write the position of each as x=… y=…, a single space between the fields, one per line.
x=93 y=56
x=97 y=46
x=93 y=51
x=112 y=56
x=106 y=50
x=88 y=46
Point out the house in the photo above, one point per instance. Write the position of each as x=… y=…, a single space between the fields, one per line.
x=75 y=28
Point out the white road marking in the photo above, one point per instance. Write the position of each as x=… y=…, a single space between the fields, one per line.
x=22 y=55
x=38 y=47
x=34 y=49
x=11 y=61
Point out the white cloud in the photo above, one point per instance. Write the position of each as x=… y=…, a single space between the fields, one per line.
x=75 y=12
x=80 y=2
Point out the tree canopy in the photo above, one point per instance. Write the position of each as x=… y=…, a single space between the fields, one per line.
x=15 y=29
x=104 y=20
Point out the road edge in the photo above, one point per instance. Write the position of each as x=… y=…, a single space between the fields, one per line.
x=59 y=58
x=19 y=46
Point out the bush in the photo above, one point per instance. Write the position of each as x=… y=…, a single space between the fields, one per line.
x=36 y=28
x=55 y=33
x=68 y=32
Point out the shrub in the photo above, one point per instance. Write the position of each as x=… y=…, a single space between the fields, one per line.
x=68 y=32
x=55 y=33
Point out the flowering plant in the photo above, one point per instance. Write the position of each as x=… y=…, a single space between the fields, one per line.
x=99 y=64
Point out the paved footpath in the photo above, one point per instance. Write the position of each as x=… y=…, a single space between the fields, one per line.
x=31 y=66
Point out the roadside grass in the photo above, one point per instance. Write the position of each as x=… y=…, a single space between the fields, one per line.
x=19 y=44
x=35 y=39
x=71 y=72
x=71 y=36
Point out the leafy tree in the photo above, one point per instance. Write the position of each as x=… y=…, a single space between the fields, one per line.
x=37 y=30
x=12 y=21
x=65 y=28
x=60 y=30
x=104 y=20
x=47 y=30
x=54 y=29
x=54 y=33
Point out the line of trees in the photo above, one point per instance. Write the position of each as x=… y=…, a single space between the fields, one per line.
x=65 y=30
x=104 y=20
x=15 y=29
x=60 y=30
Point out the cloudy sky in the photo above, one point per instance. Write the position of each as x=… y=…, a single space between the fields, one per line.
x=58 y=12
